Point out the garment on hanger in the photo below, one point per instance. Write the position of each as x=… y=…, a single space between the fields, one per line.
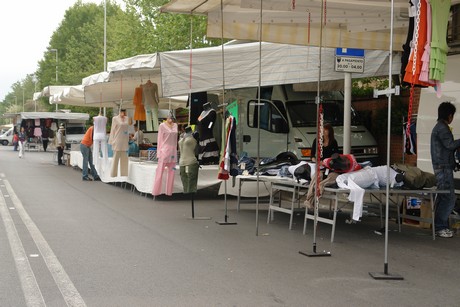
x=139 y=110
x=188 y=163
x=209 y=150
x=229 y=159
x=440 y=10
x=421 y=35
x=119 y=139
x=167 y=158
x=151 y=100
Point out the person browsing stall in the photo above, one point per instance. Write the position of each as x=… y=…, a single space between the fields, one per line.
x=60 y=143
x=442 y=148
x=85 y=148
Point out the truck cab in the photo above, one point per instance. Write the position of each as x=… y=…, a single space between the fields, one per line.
x=288 y=122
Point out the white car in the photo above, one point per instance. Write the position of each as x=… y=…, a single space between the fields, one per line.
x=7 y=137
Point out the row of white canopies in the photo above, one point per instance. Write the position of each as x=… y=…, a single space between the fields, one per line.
x=234 y=65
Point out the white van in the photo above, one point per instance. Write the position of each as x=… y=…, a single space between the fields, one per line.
x=7 y=137
x=74 y=132
x=428 y=113
x=288 y=122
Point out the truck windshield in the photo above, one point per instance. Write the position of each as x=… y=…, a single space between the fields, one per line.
x=303 y=113
x=75 y=130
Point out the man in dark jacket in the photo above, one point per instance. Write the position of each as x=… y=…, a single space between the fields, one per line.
x=443 y=147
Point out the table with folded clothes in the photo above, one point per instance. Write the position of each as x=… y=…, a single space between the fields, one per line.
x=250 y=183
x=404 y=181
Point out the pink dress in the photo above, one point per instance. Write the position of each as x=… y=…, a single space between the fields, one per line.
x=167 y=158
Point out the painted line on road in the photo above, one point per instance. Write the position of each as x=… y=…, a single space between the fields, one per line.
x=32 y=293
x=62 y=280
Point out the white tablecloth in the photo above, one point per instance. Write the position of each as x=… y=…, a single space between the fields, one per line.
x=141 y=174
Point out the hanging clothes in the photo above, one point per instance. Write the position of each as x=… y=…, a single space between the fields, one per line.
x=167 y=158
x=229 y=159
x=425 y=70
x=440 y=10
x=119 y=139
x=209 y=150
x=139 y=110
x=406 y=46
x=151 y=100
x=413 y=76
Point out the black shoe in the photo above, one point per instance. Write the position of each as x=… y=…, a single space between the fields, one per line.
x=87 y=179
x=97 y=179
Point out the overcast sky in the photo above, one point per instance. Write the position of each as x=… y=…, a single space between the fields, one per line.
x=26 y=29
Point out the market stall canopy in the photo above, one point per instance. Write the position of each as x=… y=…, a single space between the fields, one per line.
x=51 y=90
x=53 y=115
x=348 y=23
x=71 y=95
x=280 y=64
x=117 y=85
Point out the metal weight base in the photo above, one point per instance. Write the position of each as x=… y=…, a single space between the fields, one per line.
x=200 y=218
x=315 y=254
x=384 y=276
x=226 y=223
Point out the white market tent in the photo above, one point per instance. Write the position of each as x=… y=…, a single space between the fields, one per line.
x=281 y=64
x=117 y=86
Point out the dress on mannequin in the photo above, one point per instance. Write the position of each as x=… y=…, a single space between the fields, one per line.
x=167 y=157
x=209 y=150
x=188 y=162
x=151 y=99
x=139 y=110
x=119 y=139
x=100 y=143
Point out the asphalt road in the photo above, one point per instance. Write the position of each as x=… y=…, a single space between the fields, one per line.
x=64 y=241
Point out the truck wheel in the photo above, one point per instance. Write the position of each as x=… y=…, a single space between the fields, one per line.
x=4 y=142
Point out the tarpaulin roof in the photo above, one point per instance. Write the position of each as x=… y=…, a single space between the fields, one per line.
x=54 y=115
x=347 y=23
x=280 y=64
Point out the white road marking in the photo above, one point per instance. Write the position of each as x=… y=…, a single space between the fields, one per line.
x=62 y=280
x=32 y=293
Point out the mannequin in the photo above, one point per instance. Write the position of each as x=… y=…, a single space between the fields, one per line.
x=188 y=162
x=100 y=142
x=151 y=99
x=167 y=155
x=119 y=139
x=209 y=150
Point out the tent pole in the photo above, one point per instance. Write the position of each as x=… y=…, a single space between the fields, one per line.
x=314 y=253
x=224 y=116
x=385 y=275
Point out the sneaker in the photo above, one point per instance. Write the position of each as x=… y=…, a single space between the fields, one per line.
x=444 y=233
x=87 y=179
x=97 y=179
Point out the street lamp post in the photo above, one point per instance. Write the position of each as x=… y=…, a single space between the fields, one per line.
x=23 y=98
x=55 y=50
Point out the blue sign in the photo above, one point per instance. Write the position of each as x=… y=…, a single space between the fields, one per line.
x=349 y=52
